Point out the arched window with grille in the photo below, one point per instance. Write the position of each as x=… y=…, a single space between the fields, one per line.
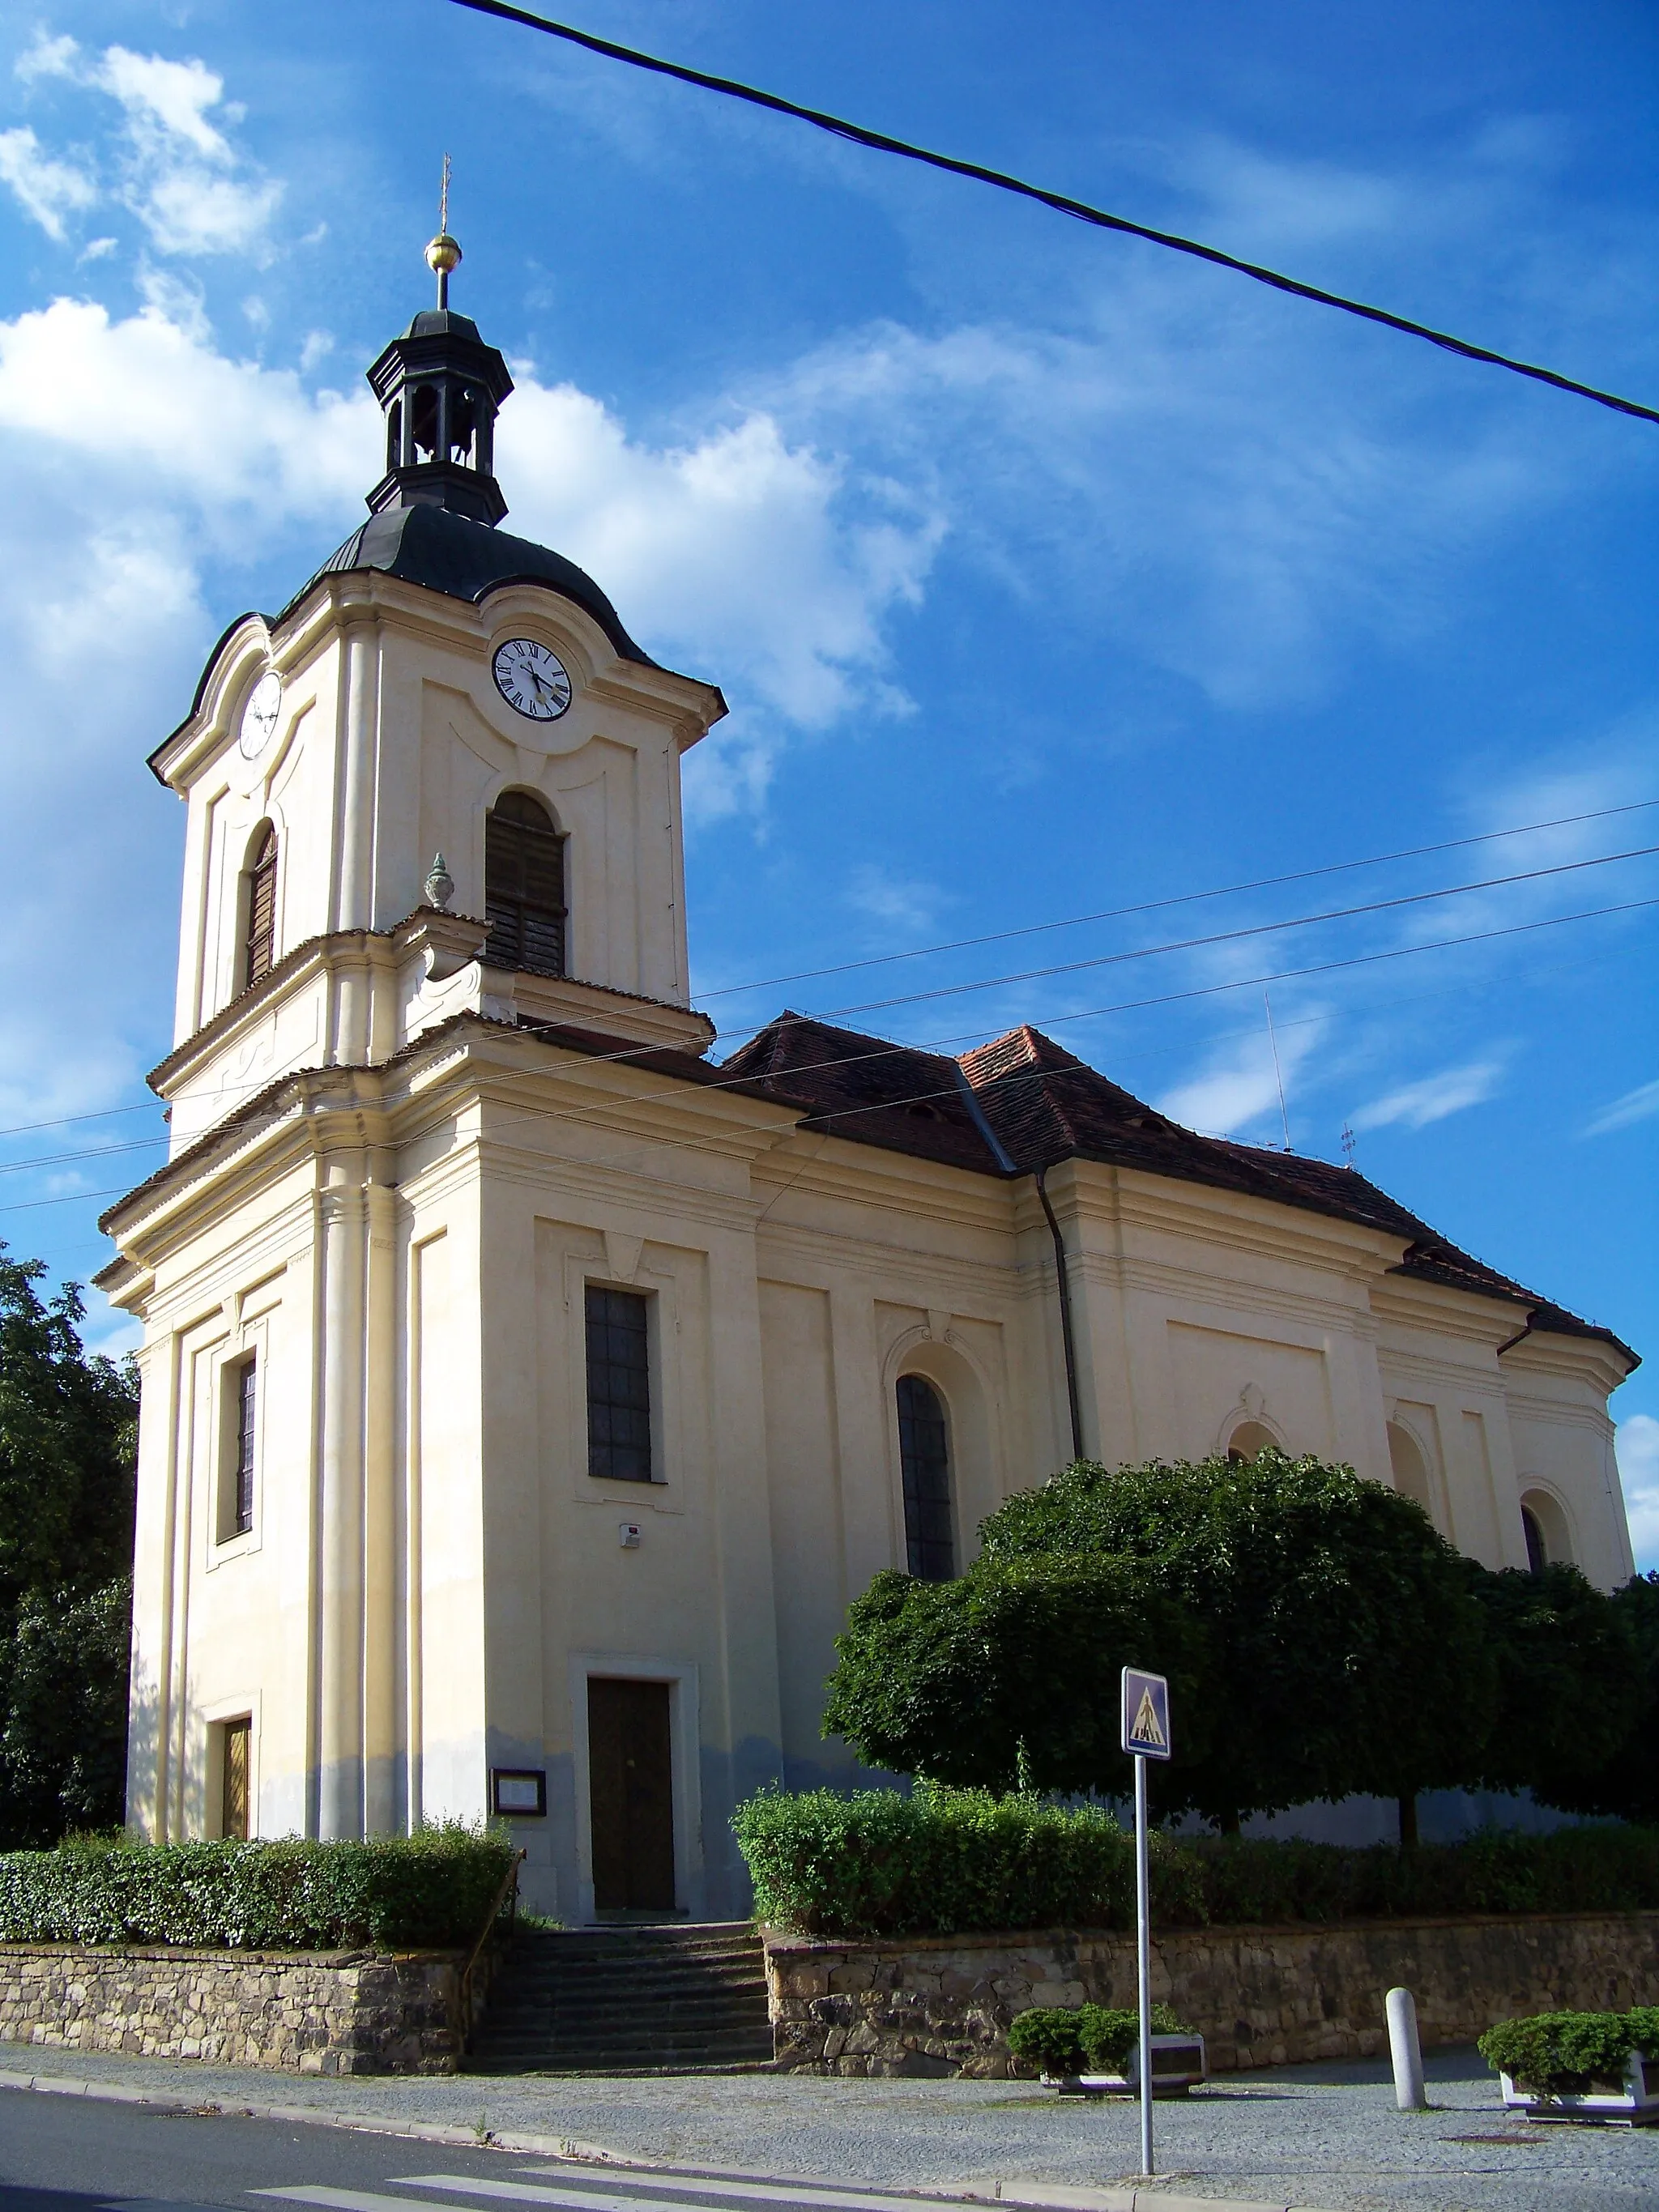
x=523 y=885
x=925 y=1463
x=259 y=935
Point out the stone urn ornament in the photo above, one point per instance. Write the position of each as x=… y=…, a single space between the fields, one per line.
x=439 y=885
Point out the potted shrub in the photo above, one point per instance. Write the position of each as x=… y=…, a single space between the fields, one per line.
x=1095 y=2050
x=1595 y=2066
x=1049 y=2036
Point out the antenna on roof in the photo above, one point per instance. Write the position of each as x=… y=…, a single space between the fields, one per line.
x=1348 y=1142
x=1278 y=1075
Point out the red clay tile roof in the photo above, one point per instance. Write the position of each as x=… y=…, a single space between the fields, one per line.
x=1041 y=1104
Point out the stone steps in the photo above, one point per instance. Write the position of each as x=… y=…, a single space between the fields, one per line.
x=675 y=1999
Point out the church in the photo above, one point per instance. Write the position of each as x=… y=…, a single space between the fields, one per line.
x=526 y=1395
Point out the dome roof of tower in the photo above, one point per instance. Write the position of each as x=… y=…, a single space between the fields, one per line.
x=450 y=553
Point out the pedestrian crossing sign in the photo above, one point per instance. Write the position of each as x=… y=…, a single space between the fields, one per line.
x=1145 y=1714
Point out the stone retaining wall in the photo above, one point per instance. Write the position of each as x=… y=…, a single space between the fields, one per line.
x=335 y=2012
x=1262 y=1997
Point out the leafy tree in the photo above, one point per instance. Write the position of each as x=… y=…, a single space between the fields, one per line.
x=1324 y=1640
x=1009 y=1677
x=63 y=1748
x=1569 y=1682
x=68 y=1436
x=1626 y=1781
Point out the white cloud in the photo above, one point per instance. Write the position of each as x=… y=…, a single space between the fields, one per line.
x=166 y=100
x=151 y=404
x=1433 y=1098
x=898 y=901
x=187 y=211
x=47 y=190
x=1639 y=1105
x=46 y=57
x=1637 y=1442
x=756 y=557
x=182 y=177
x=1241 y=1085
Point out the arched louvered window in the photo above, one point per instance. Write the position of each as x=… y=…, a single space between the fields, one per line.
x=924 y=1461
x=1538 y=1552
x=260 y=945
x=523 y=885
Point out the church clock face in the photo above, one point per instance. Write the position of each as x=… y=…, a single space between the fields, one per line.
x=265 y=704
x=531 y=679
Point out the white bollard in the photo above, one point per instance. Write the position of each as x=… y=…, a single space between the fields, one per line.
x=1405 y=2051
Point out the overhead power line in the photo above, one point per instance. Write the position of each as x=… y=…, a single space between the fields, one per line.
x=1176 y=899
x=1231 y=936
x=991 y=937
x=607 y=1105
x=880 y=141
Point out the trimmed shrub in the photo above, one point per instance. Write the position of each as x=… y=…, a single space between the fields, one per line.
x=875 y=1863
x=1049 y=2037
x=428 y=1891
x=1566 y=2053
x=1110 y=2035
x=1085 y=2039
x=952 y=1862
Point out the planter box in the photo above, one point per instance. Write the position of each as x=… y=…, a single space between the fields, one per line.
x=1636 y=2105
x=1178 y=2064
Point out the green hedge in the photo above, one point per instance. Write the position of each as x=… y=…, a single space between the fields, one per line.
x=1566 y=2053
x=947 y=1862
x=875 y=1863
x=428 y=1890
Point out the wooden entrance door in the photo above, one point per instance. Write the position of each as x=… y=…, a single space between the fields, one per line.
x=631 y=1789
x=233 y=1795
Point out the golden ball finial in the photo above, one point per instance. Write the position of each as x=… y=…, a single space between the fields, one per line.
x=443 y=254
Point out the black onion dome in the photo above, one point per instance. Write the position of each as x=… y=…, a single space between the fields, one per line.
x=467 y=560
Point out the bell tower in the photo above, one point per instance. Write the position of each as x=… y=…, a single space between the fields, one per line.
x=440 y=388
x=443 y=778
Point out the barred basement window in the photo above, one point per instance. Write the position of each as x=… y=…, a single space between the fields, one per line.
x=523 y=885
x=925 y=1459
x=618 y=1386
x=260 y=945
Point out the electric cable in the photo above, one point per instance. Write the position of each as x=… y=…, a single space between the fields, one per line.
x=1118 y=958
x=1229 y=936
x=1001 y=936
x=813 y=1121
x=1176 y=899
x=880 y=141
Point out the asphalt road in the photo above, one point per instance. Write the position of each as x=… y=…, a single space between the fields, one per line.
x=77 y=2155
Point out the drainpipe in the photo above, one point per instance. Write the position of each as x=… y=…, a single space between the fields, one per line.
x=998 y=1153
x=1520 y=1337
x=1065 y=1317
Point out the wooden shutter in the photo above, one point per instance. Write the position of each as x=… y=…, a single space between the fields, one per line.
x=261 y=945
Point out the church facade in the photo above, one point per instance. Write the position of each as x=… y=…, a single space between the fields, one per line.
x=525 y=1395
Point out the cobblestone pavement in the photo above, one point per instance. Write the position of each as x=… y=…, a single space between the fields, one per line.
x=1326 y=2136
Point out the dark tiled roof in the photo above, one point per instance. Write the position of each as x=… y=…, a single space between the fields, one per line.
x=867 y=1089
x=1043 y=1105
x=467 y=560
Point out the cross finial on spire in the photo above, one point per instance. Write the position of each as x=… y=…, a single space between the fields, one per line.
x=443 y=254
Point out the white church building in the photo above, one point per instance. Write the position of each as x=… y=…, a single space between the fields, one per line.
x=526 y=1395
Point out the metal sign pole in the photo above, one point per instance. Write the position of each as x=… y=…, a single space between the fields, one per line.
x=1145 y=1726
x=1144 y=1965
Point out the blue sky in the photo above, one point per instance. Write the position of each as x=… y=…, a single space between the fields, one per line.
x=1047 y=573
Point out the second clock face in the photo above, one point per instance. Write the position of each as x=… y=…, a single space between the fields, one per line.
x=531 y=679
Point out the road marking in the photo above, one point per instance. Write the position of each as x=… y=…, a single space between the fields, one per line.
x=352 y=2200
x=591 y=2200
